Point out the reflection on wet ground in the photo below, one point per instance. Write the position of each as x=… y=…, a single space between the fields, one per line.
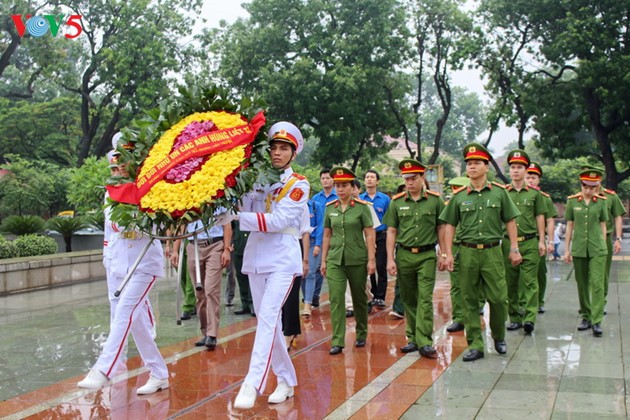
x=50 y=339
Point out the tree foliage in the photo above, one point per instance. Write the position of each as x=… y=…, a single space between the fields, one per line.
x=86 y=190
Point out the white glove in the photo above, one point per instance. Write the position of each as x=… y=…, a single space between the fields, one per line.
x=225 y=218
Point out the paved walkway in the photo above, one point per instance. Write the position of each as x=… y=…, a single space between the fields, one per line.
x=50 y=339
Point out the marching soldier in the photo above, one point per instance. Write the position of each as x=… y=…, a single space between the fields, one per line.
x=534 y=175
x=348 y=256
x=481 y=210
x=412 y=232
x=586 y=215
x=522 y=280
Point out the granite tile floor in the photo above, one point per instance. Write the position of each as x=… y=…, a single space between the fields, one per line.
x=50 y=338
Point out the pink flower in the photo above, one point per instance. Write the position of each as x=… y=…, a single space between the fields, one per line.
x=184 y=170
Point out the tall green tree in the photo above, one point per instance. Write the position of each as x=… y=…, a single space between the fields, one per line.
x=321 y=63
x=86 y=190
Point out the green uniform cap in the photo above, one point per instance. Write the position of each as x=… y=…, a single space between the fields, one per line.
x=341 y=174
x=411 y=166
x=518 y=156
x=591 y=177
x=535 y=168
x=460 y=181
x=476 y=151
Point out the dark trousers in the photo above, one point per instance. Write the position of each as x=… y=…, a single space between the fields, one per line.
x=291 y=310
x=243 y=284
x=379 y=288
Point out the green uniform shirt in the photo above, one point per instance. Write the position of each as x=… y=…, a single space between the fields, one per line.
x=587 y=234
x=480 y=214
x=415 y=221
x=551 y=211
x=529 y=202
x=615 y=208
x=347 y=244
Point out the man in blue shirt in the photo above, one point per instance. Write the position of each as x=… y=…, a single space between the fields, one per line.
x=316 y=215
x=380 y=202
x=325 y=196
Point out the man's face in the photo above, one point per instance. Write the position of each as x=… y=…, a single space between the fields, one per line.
x=326 y=180
x=517 y=171
x=414 y=183
x=281 y=154
x=533 y=180
x=476 y=169
x=370 y=180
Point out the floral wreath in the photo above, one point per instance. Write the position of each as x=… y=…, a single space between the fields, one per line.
x=190 y=157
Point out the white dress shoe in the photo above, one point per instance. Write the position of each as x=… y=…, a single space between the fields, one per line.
x=153 y=385
x=95 y=379
x=246 y=397
x=282 y=393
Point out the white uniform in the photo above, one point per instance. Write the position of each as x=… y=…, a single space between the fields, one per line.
x=131 y=311
x=272 y=258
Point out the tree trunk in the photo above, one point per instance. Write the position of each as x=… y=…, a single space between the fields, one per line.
x=68 y=241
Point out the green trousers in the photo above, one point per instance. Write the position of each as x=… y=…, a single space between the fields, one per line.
x=189 y=301
x=398 y=306
x=338 y=276
x=522 y=281
x=589 y=275
x=416 y=276
x=457 y=310
x=542 y=280
x=609 y=245
x=482 y=271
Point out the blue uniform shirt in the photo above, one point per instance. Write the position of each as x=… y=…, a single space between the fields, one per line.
x=381 y=204
x=316 y=213
x=323 y=200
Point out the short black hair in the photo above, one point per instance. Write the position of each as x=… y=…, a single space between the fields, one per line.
x=373 y=171
x=324 y=171
x=356 y=183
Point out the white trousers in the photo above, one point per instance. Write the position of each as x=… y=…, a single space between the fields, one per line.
x=269 y=291
x=131 y=315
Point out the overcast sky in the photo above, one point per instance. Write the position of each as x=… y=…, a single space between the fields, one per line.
x=229 y=10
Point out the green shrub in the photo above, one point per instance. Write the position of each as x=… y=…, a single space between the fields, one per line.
x=67 y=226
x=29 y=245
x=7 y=249
x=22 y=225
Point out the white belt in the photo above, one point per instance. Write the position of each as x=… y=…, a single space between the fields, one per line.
x=289 y=231
x=131 y=235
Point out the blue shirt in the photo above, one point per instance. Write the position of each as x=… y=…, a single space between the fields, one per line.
x=323 y=200
x=316 y=213
x=381 y=204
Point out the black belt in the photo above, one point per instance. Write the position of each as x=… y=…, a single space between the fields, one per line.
x=524 y=237
x=210 y=241
x=481 y=246
x=417 y=249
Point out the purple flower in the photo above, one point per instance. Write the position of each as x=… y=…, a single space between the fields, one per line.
x=184 y=170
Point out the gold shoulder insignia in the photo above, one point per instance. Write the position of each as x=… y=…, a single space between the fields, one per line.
x=435 y=193
x=358 y=200
x=298 y=176
x=399 y=195
x=332 y=202
x=545 y=194
x=498 y=184
x=460 y=190
x=611 y=192
x=602 y=196
x=575 y=195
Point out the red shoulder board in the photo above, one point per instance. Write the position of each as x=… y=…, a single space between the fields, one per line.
x=298 y=176
x=435 y=193
x=332 y=202
x=358 y=200
x=611 y=192
x=458 y=189
x=498 y=184
x=399 y=195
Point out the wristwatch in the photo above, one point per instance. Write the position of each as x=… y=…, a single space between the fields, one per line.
x=444 y=255
x=618 y=238
x=515 y=250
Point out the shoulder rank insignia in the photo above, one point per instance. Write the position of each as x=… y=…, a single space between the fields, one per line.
x=498 y=184
x=435 y=193
x=298 y=176
x=332 y=202
x=399 y=195
x=611 y=192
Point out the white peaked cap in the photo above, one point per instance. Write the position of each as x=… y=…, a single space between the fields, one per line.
x=288 y=133
x=115 y=139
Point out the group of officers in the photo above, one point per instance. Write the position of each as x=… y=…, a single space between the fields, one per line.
x=490 y=237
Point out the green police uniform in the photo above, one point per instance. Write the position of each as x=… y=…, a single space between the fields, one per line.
x=346 y=263
x=550 y=213
x=589 y=252
x=522 y=280
x=416 y=236
x=615 y=209
x=480 y=215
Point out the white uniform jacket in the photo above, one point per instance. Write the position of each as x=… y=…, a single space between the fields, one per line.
x=123 y=249
x=273 y=246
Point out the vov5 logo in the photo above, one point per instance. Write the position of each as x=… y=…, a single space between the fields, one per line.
x=38 y=26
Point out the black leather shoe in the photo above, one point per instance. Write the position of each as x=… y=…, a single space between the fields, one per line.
x=541 y=309
x=360 y=342
x=528 y=327
x=473 y=355
x=241 y=311
x=370 y=306
x=455 y=327
x=211 y=343
x=514 y=326
x=584 y=325
x=229 y=303
x=597 y=330
x=335 y=350
x=380 y=303
x=315 y=303
x=186 y=316
x=349 y=313
x=409 y=348
x=201 y=342
x=428 y=352
x=500 y=346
